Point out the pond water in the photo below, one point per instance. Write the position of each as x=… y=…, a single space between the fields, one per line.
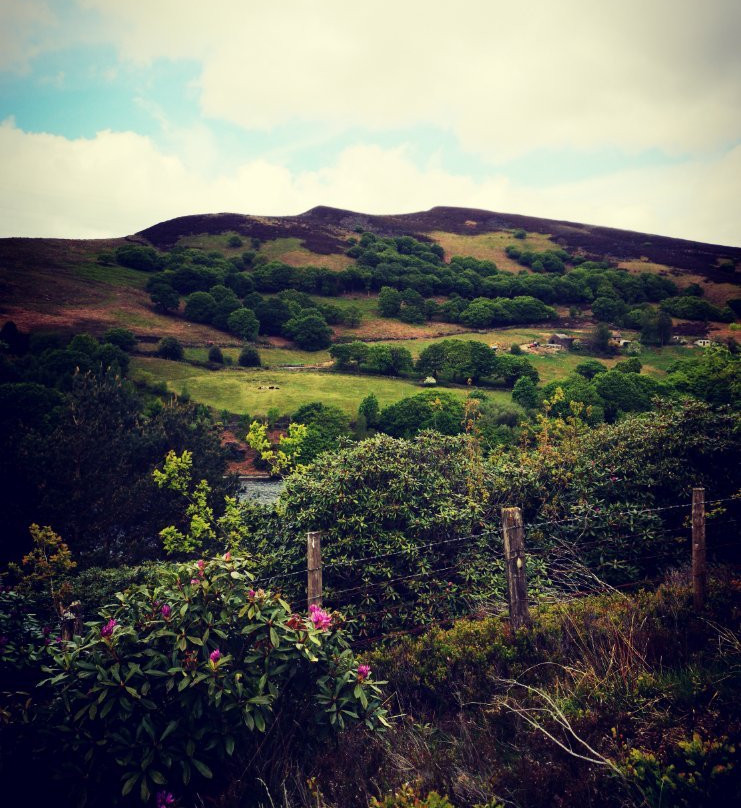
x=264 y=491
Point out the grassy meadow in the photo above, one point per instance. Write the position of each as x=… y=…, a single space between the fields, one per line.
x=245 y=390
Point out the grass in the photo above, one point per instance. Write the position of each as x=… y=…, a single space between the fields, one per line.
x=238 y=389
x=288 y=250
x=216 y=242
x=490 y=246
x=271 y=357
x=111 y=275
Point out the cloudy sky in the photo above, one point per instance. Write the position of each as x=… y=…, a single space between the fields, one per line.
x=116 y=114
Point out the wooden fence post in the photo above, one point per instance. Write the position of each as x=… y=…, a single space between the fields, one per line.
x=699 y=569
x=514 y=560
x=314 y=567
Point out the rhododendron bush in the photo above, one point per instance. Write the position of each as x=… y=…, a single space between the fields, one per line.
x=176 y=681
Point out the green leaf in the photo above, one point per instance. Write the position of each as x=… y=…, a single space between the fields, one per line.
x=202 y=768
x=129 y=783
x=157 y=777
x=229 y=744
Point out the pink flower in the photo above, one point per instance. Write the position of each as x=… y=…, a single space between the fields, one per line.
x=322 y=620
x=227 y=556
x=166 y=610
x=251 y=593
x=363 y=671
x=107 y=629
x=195 y=581
x=201 y=565
x=215 y=655
x=165 y=799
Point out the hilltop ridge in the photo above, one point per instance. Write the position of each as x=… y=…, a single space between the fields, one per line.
x=322 y=229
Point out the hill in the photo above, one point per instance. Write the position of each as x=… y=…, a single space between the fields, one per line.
x=61 y=284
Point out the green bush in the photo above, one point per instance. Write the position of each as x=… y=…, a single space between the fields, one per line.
x=244 y=324
x=215 y=355
x=408 y=797
x=170 y=348
x=121 y=338
x=189 y=674
x=249 y=357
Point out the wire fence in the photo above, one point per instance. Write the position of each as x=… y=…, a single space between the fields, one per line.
x=559 y=565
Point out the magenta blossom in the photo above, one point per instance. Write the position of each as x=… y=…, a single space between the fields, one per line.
x=227 y=556
x=363 y=672
x=201 y=565
x=251 y=593
x=107 y=629
x=215 y=655
x=322 y=620
x=165 y=799
x=195 y=581
x=166 y=611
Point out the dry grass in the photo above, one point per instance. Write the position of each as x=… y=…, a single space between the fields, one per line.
x=490 y=246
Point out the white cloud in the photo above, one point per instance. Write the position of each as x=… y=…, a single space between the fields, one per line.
x=505 y=77
x=22 y=27
x=119 y=183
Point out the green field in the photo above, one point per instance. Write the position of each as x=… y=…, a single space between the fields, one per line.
x=238 y=389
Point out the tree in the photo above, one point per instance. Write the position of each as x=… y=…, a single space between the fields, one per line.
x=170 y=348
x=389 y=302
x=200 y=307
x=309 y=331
x=352 y=316
x=590 y=368
x=369 y=410
x=87 y=472
x=608 y=309
x=164 y=297
x=656 y=327
x=145 y=259
x=632 y=365
x=244 y=324
x=121 y=337
x=215 y=355
x=525 y=393
x=442 y=412
x=598 y=341
x=325 y=425
x=508 y=369
x=348 y=355
x=249 y=357
x=273 y=313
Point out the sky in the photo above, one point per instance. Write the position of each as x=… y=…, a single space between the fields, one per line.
x=117 y=114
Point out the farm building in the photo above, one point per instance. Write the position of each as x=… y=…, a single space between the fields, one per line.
x=564 y=340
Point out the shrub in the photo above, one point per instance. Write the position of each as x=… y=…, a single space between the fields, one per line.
x=309 y=330
x=408 y=797
x=234 y=242
x=145 y=259
x=215 y=355
x=121 y=337
x=170 y=348
x=185 y=676
x=244 y=324
x=249 y=357
x=525 y=393
x=200 y=307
